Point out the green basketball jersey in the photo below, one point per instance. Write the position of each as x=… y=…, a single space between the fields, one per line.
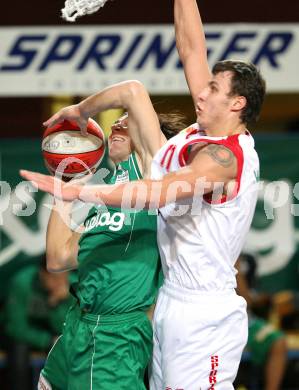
x=118 y=256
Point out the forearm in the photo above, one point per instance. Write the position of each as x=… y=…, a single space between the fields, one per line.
x=147 y=194
x=191 y=44
x=62 y=242
x=138 y=194
x=188 y=28
x=117 y=96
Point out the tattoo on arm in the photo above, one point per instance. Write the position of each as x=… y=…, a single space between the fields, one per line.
x=220 y=154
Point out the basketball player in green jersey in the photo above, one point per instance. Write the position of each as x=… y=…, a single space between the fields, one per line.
x=107 y=339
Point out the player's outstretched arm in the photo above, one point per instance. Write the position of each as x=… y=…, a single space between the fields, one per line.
x=191 y=45
x=143 y=123
x=211 y=168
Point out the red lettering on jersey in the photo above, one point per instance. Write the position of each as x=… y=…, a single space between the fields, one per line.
x=169 y=155
x=213 y=372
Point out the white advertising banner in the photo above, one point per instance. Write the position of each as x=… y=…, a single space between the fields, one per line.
x=40 y=61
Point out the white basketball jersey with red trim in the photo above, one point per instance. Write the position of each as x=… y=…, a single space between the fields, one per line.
x=199 y=239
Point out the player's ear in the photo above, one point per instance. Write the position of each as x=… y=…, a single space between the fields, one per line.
x=239 y=102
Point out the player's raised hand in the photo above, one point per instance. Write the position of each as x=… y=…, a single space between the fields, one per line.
x=71 y=113
x=66 y=191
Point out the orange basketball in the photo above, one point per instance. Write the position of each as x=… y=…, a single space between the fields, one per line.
x=63 y=146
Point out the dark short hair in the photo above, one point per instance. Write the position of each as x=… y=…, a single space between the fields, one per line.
x=246 y=81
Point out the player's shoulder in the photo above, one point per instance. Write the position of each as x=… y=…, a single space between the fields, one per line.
x=246 y=140
x=137 y=166
x=187 y=134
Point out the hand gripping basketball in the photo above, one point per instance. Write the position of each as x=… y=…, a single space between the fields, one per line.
x=74 y=8
x=67 y=153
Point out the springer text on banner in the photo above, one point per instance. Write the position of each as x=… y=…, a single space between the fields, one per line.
x=40 y=61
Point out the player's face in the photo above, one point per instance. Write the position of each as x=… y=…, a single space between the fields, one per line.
x=214 y=103
x=119 y=141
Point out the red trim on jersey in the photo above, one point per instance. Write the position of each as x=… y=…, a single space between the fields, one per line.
x=169 y=152
x=191 y=131
x=232 y=143
x=184 y=153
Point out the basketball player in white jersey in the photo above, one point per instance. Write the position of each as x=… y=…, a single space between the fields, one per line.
x=204 y=184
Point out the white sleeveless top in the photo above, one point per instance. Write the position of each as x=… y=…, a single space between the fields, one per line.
x=199 y=239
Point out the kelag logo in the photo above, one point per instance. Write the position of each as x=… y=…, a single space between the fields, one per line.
x=52 y=60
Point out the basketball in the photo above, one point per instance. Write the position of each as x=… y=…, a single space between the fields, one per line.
x=64 y=143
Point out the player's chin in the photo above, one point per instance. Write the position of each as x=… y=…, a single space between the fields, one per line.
x=111 y=153
x=116 y=154
x=200 y=121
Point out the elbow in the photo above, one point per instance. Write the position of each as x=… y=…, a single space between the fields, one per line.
x=56 y=261
x=133 y=91
x=135 y=87
x=182 y=49
x=185 y=44
x=54 y=267
x=186 y=52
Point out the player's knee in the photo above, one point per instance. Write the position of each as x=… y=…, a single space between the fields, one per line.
x=43 y=384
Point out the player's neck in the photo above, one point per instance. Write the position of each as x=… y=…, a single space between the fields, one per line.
x=226 y=129
x=118 y=159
